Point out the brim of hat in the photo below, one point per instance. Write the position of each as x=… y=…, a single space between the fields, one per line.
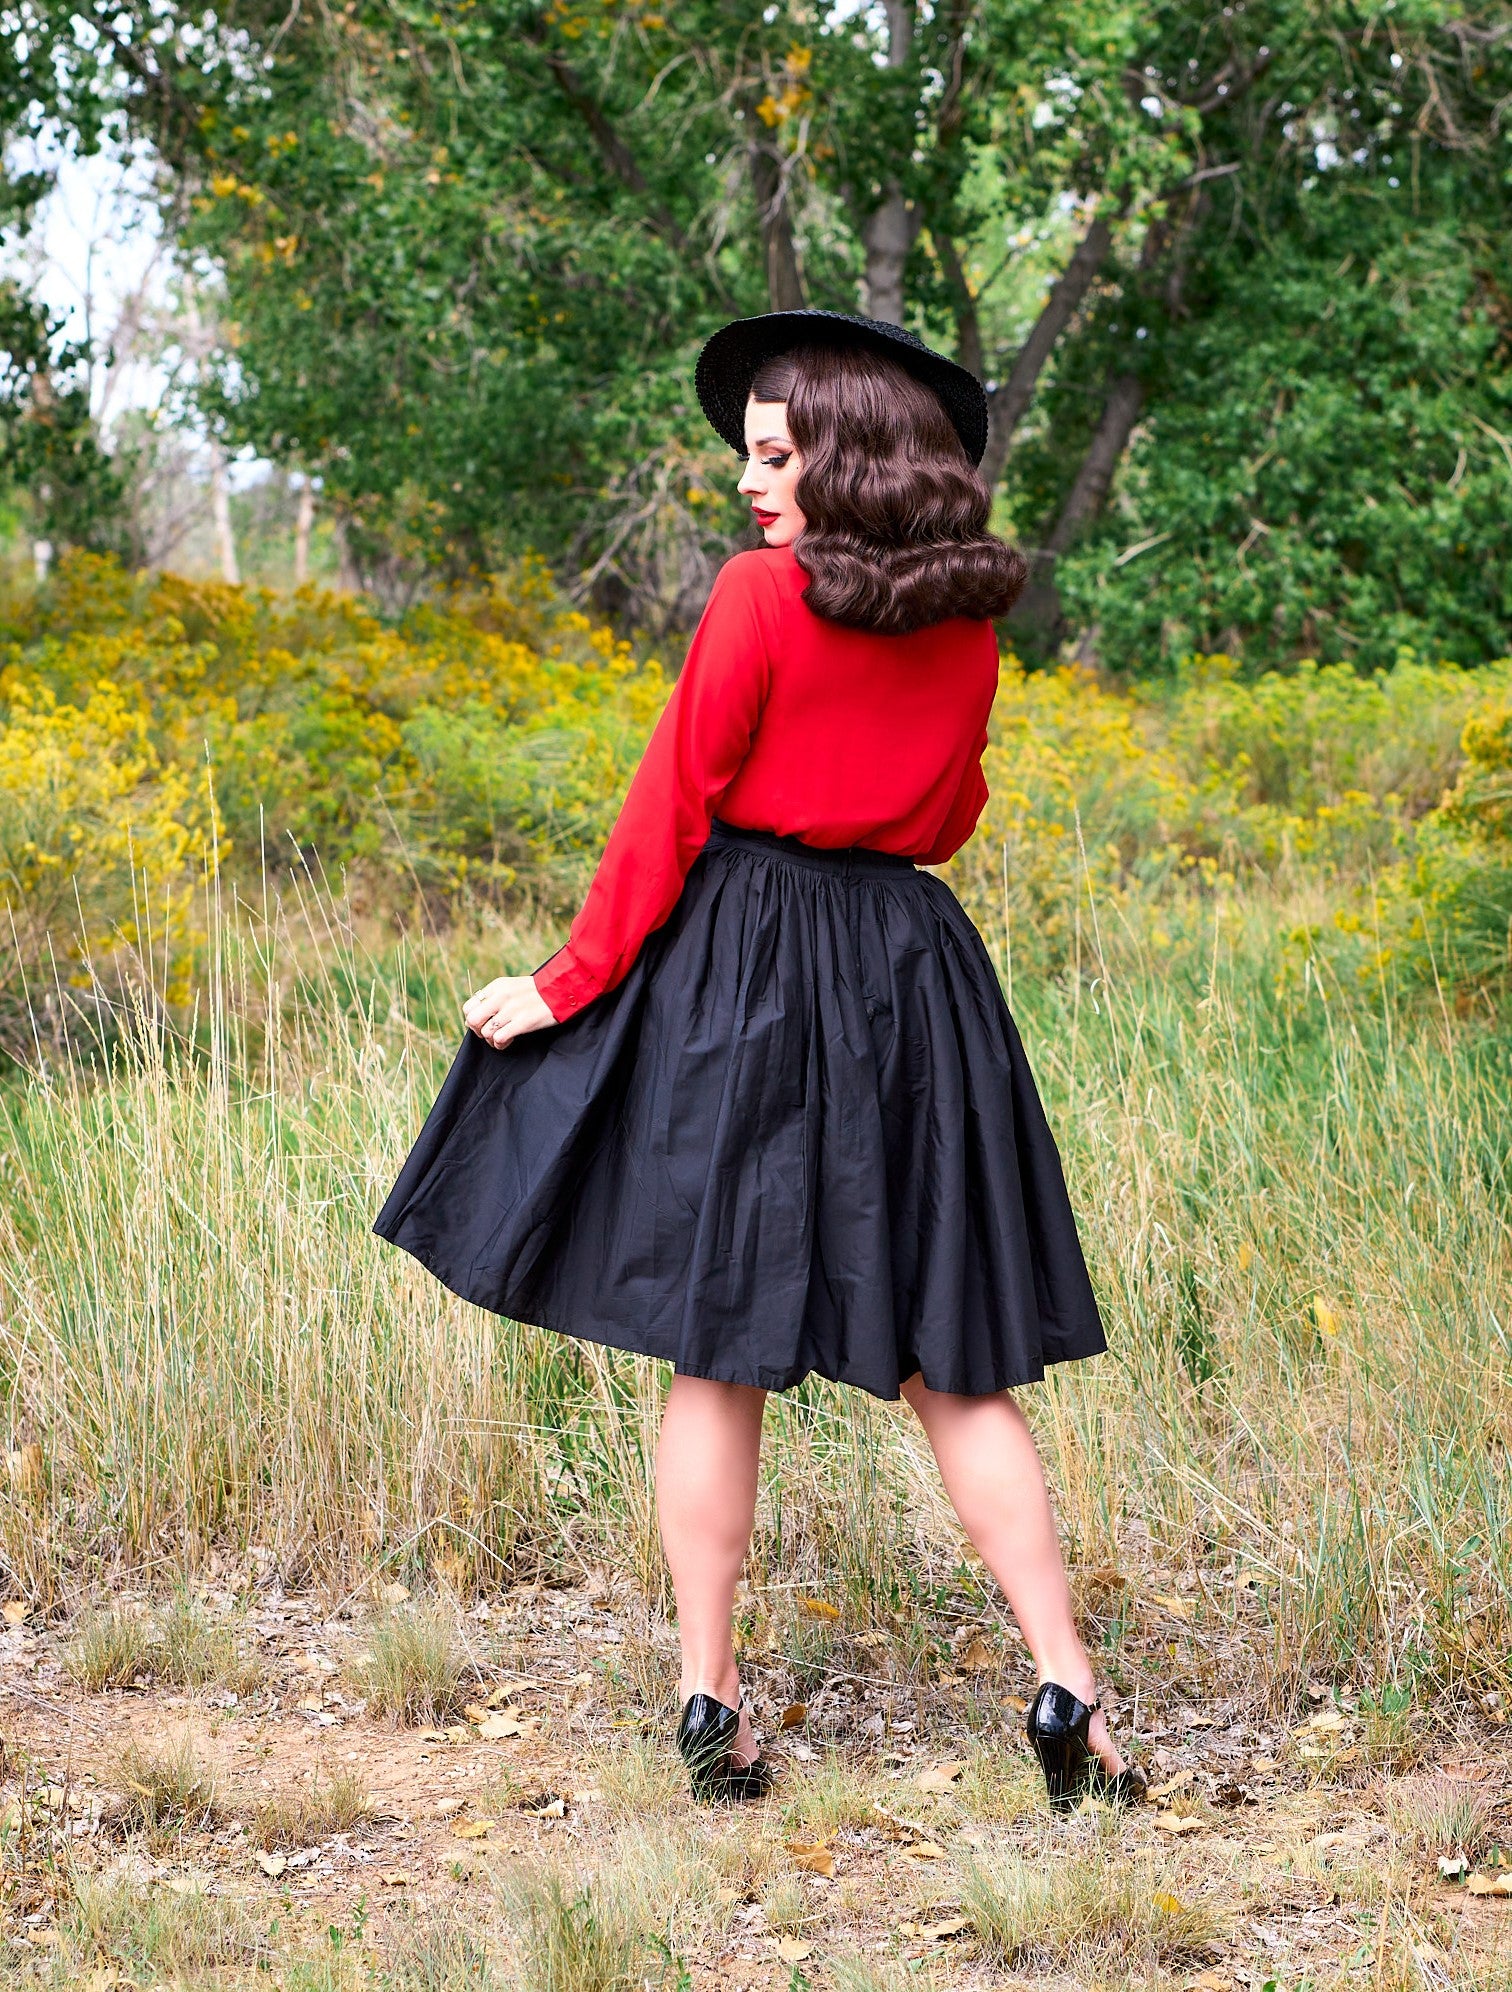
x=729 y=362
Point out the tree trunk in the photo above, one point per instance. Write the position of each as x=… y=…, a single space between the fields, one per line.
x=770 y=186
x=887 y=235
x=888 y=232
x=969 y=349
x=1090 y=489
x=1038 y=610
x=304 y=520
x=1008 y=405
x=220 y=515
x=349 y=577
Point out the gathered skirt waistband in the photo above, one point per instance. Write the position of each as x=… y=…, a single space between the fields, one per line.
x=845 y=859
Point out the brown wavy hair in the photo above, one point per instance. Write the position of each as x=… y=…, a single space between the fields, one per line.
x=895 y=515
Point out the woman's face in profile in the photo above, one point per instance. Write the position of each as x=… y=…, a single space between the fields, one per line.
x=773 y=465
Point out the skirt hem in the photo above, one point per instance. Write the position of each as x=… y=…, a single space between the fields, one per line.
x=605 y=1338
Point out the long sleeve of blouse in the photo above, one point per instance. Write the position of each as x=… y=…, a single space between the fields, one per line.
x=695 y=750
x=783 y=720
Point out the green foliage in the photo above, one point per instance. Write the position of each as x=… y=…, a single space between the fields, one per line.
x=49 y=446
x=1324 y=467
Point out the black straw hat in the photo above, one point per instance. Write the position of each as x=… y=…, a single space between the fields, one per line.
x=728 y=363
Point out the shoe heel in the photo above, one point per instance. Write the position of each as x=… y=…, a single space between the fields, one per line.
x=1057 y=1727
x=706 y=1734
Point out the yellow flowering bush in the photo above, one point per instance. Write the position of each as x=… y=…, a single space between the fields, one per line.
x=152 y=726
x=1450 y=909
x=481 y=743
x=1146 y=802
x=95 y=838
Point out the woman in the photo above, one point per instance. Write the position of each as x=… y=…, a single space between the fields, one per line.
x=766 y=1112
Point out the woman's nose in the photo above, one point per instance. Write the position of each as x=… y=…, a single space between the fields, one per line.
x=750 y=483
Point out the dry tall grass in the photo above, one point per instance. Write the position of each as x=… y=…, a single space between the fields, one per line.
x=1294 y=1197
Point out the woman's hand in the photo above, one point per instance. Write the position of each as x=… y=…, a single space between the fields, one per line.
x=506 y=1008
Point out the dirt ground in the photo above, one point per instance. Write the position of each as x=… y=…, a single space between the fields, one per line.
x=1325 y=1856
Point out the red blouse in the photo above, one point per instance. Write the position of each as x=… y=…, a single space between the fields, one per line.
x=781 y=720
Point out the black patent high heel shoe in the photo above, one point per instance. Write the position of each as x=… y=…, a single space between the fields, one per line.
x=706 y=1735
x=1057 y=1725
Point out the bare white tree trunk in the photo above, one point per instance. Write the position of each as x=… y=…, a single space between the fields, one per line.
x=220 y=515
x=304 y=520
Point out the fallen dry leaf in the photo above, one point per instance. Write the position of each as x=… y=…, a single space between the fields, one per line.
x=1264 y=1764
x=550 y=1805
x=812 y=1855
x=394 y=1594
x=977 y=1656
x=819 y=1608
x=492 y=1727
x=953 y=1927
x=1107 y=1579
x=924 y=1850
x=1172 y=1784
x=793 y=1950
x=473 y=1829
x=793 y=1714
x=394 y=1880
x=940 y=1777
x=475 y=1712
x=1169 y=1905
x=13 y=1611
x=272 y=1865
x=1178 y=1607
x=1177 y=1822
x=1485 y=1884
x=431 y=1736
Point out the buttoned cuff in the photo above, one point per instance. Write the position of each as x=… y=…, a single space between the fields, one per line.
x=564 y=985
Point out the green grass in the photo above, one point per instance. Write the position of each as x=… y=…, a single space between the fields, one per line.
x=1294 y=1193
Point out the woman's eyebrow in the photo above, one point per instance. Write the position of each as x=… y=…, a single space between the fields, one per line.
x=762 y=441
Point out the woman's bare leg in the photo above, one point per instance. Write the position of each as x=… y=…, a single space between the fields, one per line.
x=992 y=1473
x=707 y=1457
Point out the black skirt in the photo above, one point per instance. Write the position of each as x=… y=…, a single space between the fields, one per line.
x=801 y=1136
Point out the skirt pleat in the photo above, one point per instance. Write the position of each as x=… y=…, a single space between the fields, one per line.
x=800 y=1137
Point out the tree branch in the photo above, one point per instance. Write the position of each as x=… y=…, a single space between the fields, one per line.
x=769 y=183
x=613 y=150
x=1008 y=404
